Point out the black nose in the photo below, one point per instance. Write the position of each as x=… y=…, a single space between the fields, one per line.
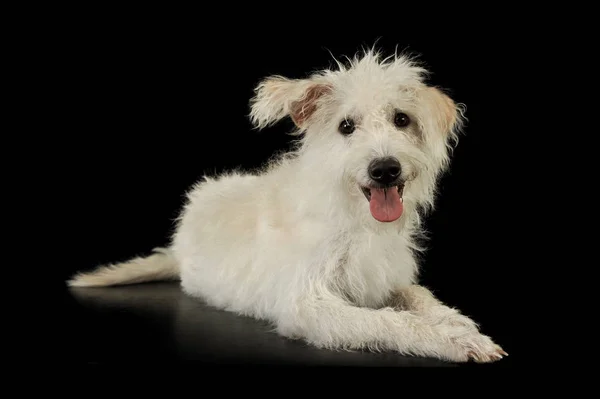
x=385 y=170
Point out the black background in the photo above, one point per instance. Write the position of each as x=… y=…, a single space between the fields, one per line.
x=147 y=106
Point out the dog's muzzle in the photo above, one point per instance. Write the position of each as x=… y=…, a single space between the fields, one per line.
x=385 y=191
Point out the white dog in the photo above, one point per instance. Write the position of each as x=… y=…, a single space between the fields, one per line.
x=322 y=242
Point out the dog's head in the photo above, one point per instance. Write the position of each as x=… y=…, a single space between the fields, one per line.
x=374 y=126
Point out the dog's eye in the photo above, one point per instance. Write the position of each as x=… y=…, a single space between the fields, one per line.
x=346 y=127
x=401 y=119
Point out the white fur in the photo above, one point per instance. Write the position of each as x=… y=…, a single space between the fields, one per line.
x=296 y=244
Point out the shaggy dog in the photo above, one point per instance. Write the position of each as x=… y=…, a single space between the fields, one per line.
x=322 y=242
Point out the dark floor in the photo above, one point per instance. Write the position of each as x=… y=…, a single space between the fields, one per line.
x=156 y=322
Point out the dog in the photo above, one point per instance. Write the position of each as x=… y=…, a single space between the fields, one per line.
x=322 y=241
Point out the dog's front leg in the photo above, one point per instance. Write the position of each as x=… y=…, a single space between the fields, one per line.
x=329 y=322
x=421 y=301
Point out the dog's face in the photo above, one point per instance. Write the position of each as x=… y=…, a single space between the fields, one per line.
x=374 y=127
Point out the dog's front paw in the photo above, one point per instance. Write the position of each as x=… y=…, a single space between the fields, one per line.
x=479 y=348
x=462 y=342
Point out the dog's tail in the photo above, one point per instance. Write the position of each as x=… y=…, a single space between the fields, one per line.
x=161 y=265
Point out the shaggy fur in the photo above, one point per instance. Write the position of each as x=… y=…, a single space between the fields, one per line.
x=299 y=244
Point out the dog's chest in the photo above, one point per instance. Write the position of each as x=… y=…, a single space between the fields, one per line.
x=372 y=267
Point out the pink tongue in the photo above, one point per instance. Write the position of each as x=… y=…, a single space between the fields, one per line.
x=385 y=204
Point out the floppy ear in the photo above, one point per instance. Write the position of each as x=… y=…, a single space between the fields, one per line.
x=277 y=97
x=444 y=115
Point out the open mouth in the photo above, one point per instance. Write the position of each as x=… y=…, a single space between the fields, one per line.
x=367 y=191
x=385 y=203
